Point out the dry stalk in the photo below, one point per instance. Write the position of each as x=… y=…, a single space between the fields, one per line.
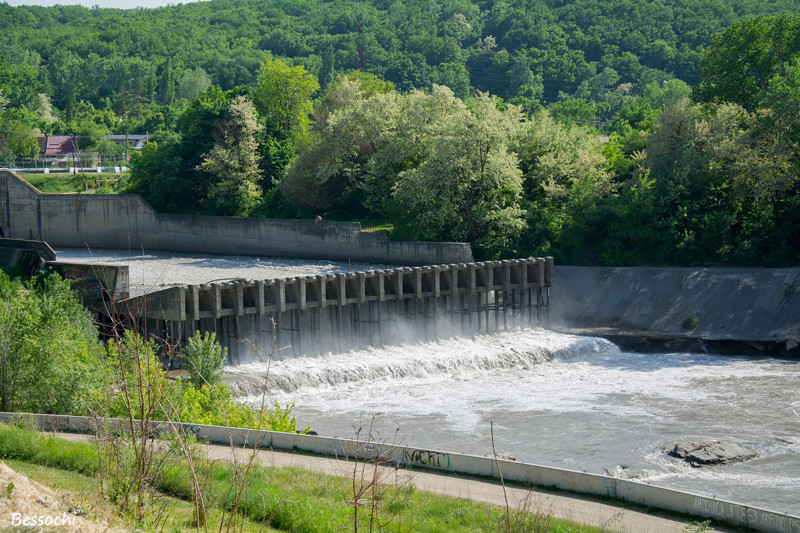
x=500 y=474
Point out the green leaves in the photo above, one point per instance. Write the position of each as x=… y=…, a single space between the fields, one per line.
x=49 y=351
x=470 y=183
x=233 y=161
x=284 y=92
x=204 y=359
x=740 y=62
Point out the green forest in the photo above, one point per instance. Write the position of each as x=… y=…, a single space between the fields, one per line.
x=612 y=132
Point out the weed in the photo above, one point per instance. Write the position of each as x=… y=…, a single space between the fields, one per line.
x=368 y=481
x=697 y=527
x=690 y=322
x=613 y=521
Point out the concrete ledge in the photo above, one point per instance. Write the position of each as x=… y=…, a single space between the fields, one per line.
x=656 y=342
x=30 y=254
x=631 y=491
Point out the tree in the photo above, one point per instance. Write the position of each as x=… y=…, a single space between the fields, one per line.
x=566 y=179
x=22 y=140
x=284 y=92
x=49 y=353
x=89 y=133
x=157 y=174
x=64 y=69
x=691 y=155
x=353 y=164
x=326 y=74
x=233 y=161
x=193 y=83
x=166 y=84
x=469 y=186
x=454 y=76
x=665 y=93
x=740 y=62
x=572 y=111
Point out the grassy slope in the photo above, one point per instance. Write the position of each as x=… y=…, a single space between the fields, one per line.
x=68 y=183
x=289 y=499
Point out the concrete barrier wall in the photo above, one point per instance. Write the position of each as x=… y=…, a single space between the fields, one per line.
x=129 y=222
x=98 y=285
x=753 y=304
x=31 y=255
x=632 y=491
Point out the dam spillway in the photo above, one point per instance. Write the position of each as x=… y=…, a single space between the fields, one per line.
x=338 y=312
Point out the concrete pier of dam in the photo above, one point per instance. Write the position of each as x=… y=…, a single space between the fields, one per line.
x=338 y=312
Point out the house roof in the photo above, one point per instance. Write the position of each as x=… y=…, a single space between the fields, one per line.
x=50 y=144
x=59 y=144
x=137 y=140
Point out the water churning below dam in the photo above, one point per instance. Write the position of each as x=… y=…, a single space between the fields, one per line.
x=559 y=400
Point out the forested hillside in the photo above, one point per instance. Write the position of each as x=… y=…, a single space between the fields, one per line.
x=537 y=49
x=600 y=131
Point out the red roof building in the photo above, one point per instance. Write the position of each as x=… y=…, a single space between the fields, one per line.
x=57 y=144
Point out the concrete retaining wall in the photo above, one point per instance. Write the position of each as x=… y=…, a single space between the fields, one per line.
x=98 y=285
x=729 y=304
x=129 y=222
x=30 y=254
x=657 y=497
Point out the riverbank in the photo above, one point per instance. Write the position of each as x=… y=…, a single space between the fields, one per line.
x=748 y=311
x=592 y=513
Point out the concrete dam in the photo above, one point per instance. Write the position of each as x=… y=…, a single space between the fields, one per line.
x=442 y=293
x=340 y=312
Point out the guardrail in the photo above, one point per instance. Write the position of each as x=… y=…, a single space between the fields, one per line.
x=631 y=491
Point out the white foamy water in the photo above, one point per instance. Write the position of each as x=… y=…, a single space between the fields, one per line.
x=559 y=400
x=150 y=271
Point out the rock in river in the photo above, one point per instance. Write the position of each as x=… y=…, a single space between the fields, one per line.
x=710 y=453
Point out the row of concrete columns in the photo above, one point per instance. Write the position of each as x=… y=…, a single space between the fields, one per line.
x=340 y=312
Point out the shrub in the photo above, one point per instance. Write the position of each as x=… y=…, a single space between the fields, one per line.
x=205 y=358
x=49 y=353
x=690 y=322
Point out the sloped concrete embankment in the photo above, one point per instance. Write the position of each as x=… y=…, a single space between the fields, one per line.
x=723 y=310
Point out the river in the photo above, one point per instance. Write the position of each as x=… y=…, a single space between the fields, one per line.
x=564 y=401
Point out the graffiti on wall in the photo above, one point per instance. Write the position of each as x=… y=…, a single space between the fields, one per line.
x=740 y=514
x=426 y=458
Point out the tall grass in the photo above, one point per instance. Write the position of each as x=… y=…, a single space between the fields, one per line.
x=25 y=445
x=289 y=499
